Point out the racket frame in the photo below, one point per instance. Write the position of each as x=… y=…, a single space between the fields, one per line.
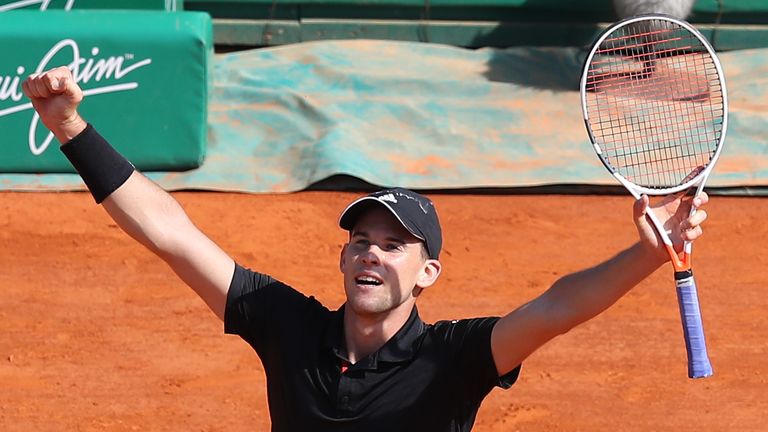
x=680 y=263
x=698 y=361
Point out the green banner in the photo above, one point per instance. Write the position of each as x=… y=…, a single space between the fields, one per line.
x=145 y=90
x=167 y=5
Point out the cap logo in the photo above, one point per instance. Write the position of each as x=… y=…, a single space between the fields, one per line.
x=388 y=197
x=392 y=197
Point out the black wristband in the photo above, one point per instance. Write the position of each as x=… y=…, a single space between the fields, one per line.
x=101 y=167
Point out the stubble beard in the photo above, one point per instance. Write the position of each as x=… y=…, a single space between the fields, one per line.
x=381 y=300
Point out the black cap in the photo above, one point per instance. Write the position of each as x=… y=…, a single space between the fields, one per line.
x=416 y=212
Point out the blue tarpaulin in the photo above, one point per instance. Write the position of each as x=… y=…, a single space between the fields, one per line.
x=424 y=116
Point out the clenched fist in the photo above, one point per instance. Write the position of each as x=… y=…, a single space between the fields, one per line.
x=55 y=96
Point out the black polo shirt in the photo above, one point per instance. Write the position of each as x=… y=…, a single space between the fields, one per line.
x=426 y=378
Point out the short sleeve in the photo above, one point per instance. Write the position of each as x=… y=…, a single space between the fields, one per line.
x=239 y=311
x=258 y=305
x=470 y=346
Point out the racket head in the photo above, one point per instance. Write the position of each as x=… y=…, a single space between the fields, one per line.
x=655 y=105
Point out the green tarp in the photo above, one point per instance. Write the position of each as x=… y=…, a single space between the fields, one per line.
x=423 y=116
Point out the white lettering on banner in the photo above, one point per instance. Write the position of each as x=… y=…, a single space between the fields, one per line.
x=9 y=86
x=170 y=5
x=43 y=4
x=84 y=70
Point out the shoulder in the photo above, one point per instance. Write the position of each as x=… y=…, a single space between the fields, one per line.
x=248 y=285
x=461 y=334
x=255 y=299
x=463 y=327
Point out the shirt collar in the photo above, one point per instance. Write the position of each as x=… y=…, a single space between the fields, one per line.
x=400 y=348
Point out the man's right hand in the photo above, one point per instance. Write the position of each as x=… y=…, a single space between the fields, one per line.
x=55 y=96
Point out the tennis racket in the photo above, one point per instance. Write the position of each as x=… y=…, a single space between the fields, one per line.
x=655 y=106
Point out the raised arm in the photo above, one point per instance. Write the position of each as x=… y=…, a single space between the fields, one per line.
x=139 y=206
x=580 y=296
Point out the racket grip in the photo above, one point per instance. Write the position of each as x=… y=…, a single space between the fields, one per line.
x=693 y=330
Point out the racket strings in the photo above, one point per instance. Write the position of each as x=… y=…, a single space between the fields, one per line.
x=655 y=103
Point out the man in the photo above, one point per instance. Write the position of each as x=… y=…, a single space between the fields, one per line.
x=372 y=365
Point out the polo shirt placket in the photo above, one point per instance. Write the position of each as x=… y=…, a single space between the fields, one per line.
x=356 y=380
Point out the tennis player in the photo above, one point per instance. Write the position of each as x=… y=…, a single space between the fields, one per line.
x=373 y=364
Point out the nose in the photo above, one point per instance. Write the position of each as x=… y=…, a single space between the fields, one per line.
x=371 y=256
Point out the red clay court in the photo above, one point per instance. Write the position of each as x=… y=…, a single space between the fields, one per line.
x=98 y=334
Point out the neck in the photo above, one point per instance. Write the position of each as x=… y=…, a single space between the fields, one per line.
x=366 y=334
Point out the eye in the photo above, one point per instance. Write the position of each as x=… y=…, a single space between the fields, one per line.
x=361 y=242
x=394 y=246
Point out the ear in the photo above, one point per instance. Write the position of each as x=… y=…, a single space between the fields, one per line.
x=428 y=275
x=342 y=255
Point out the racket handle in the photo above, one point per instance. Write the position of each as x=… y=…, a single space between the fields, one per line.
x=693 y=330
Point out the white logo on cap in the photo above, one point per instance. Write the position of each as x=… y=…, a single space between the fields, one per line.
x=388 y=197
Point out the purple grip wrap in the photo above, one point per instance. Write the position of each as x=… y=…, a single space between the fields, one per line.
x=693 y=330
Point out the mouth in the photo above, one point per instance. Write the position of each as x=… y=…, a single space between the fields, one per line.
x=368 y=280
